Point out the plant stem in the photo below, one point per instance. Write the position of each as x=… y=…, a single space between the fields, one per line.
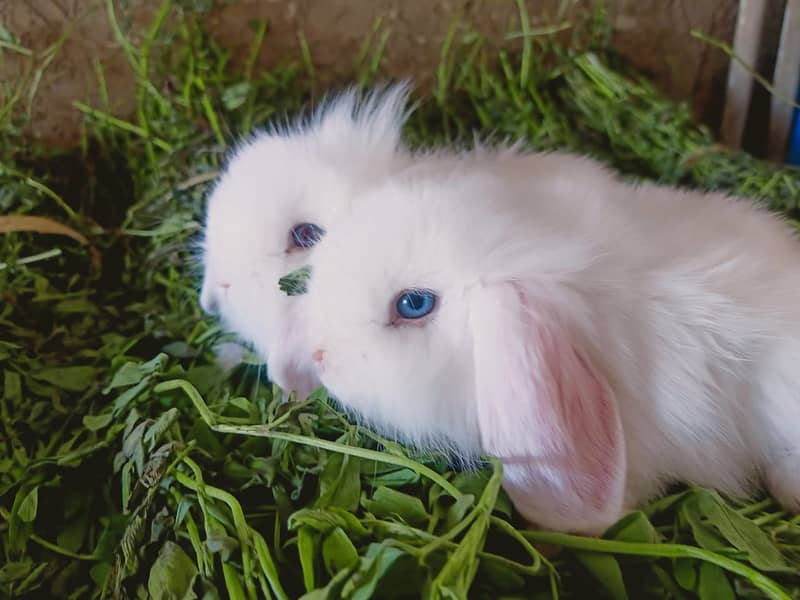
x=574 y=542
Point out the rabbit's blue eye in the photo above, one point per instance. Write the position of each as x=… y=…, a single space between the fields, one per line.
x=415 y=304
x=305 y=235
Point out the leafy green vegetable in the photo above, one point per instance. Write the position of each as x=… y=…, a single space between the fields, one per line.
x=713 y=584
x=372 y=570
x=97 y=422
x=29 y=506
x=387 y=502
x=338 y=552
x=172 y=574
x=634 y=527
x=306 y=547
x=295 y=283
x=686 y=573
x=340 y=482
x=73 y=379
x=739 y=531
x=606 y=571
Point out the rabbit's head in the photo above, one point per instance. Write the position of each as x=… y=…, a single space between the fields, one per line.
x=274 y=201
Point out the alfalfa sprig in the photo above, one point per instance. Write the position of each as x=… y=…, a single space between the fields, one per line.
x=216 y=423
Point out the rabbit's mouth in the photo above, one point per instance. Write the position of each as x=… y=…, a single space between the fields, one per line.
x=289 y=361
x=292 y=377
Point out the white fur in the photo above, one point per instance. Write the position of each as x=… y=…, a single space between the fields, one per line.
x=308 y=171
x=685 y=305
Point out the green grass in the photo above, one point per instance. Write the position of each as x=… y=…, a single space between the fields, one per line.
x=130 y=462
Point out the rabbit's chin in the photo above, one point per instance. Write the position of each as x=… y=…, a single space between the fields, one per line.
x=288 y=358
x=291 y=376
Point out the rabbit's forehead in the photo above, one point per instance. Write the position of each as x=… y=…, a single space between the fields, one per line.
x=369 y=269
x=412 y=241
x=245 y=214
x=286 y=169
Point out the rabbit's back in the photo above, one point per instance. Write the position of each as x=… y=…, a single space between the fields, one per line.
x=692 y=332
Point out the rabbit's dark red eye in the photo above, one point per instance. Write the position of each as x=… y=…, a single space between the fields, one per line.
x=305 y=235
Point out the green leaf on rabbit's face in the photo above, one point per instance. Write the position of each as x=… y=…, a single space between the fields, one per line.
x=295 y=283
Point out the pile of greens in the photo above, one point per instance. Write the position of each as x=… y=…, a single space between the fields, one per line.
x=133 y=464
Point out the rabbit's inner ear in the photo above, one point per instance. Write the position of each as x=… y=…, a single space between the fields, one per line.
x=546 y=413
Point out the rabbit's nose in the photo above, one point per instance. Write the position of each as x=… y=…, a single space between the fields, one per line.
x=318 y=356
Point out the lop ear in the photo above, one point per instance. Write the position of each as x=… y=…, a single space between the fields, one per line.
x=546 y=413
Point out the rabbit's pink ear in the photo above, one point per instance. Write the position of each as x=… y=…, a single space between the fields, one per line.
x=546 y=413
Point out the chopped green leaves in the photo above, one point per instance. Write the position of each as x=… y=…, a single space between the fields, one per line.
x=389 y=503
x=27 y=509
x=72 y=379
x=296 y=282
x=172 y=574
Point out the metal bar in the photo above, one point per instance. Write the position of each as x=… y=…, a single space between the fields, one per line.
x=785 y=81
x=746 y=43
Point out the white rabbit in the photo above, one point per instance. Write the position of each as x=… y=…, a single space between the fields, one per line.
x=276 y=197
x=601 y=339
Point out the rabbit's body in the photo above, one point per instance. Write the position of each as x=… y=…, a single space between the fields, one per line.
x=693 y=305
x=706 y=288
x=602 y=339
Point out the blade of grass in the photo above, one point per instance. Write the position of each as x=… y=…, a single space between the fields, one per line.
x=573 y=542
x=121 y=124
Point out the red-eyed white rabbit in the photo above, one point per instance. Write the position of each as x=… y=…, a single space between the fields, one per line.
x=602 y=339
x=275 y=199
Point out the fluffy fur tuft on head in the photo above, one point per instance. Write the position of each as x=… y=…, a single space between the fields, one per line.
x=308 y=172
x=370 y=122
x=603 y=340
